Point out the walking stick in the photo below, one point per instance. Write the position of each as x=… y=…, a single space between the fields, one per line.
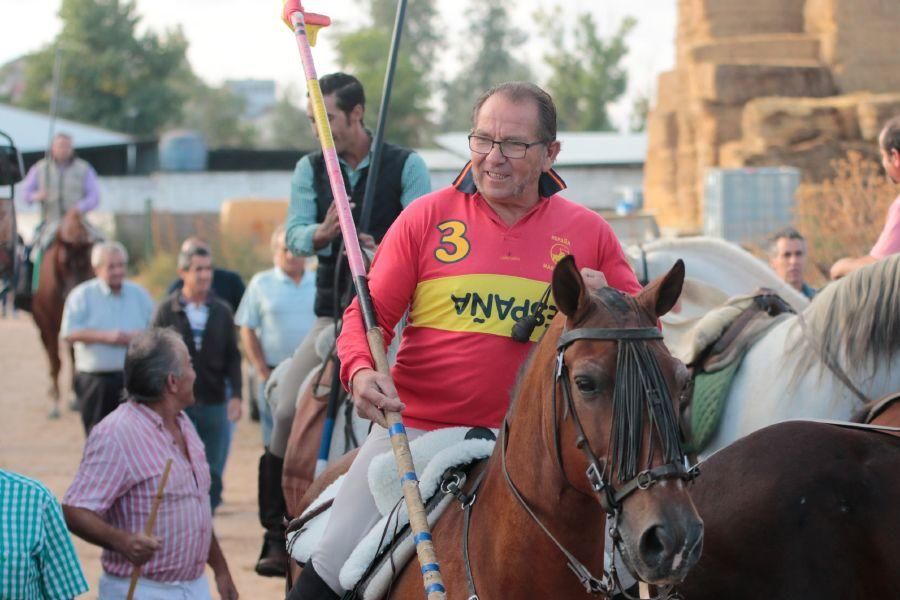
x=148 y=530
x=364 y=222
x=434 y=587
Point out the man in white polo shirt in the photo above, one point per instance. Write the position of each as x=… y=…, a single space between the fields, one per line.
x=275 y=315
x=100 y=317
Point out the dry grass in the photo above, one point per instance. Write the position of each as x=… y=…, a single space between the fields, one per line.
x=844 y=215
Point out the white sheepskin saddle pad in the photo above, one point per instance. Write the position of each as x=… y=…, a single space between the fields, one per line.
x=433 y=453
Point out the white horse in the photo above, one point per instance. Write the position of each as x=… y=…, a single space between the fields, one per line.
x=715 y=270
x=854 y=324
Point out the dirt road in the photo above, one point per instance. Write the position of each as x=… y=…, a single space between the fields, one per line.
x=51 y=450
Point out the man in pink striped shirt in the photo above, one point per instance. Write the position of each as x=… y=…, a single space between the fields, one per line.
x=110 y=500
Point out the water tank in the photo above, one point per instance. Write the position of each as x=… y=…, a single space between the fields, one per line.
x=182 y=150
x=747 y=205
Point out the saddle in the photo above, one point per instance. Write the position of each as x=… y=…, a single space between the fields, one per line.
x=725 y=336
x=443 y=459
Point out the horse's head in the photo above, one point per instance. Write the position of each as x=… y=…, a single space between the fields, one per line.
x=72 y=230
x=614 y=422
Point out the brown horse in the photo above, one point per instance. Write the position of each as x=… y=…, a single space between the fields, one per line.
x=65 y=264
x=800 y=510
x=590 y=443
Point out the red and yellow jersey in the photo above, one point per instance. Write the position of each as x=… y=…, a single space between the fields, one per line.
x=466 y=278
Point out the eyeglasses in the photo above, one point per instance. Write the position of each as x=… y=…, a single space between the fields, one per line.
x=509 y=149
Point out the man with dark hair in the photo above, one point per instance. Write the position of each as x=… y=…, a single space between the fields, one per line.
x=111 y=498
x=787 y=257
x=313 y=227
x=496 y=233
x=889 y=241
x=207 y=327
x=226 y=284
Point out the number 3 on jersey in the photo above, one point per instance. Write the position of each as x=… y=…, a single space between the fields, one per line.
x=454 y=245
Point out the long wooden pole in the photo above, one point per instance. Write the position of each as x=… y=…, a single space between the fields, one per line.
x=431 y=572
x=151 y=521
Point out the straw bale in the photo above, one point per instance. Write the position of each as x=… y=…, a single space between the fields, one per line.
x=785 y=122
x=757 y=49
x=874 y=111
x=739 y=82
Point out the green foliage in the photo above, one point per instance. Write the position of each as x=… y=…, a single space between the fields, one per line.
x=110 y=77
x=640 y=111
x=588 y=76
x=216 y=113
x=488 y=58
x=290 y=127
x=364 y=54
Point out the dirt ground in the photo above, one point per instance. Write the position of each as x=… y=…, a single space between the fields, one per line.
x=50 y=451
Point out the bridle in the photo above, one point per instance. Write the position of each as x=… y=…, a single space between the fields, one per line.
x=636 y=367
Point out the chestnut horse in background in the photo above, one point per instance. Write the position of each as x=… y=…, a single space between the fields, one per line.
x=800 y=510
x=65 y=264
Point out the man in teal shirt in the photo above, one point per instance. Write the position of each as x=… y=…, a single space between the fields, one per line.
x=313 y=228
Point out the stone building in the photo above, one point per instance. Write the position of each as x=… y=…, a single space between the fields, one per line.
x=768 y=83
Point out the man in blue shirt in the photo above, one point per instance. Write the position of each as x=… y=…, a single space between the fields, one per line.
x=275 y=315
x=100 y=317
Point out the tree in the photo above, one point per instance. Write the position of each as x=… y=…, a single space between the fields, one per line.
x=640 y=112
x=364 y=54
x=110 y=77
x=289 y=126
x=487 y=60
x=217 y=113
x=585 y=79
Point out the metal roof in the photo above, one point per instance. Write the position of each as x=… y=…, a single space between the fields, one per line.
x=29 y=130
x=582 y=148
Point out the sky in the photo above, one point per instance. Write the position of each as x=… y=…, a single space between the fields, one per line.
x=245 y=39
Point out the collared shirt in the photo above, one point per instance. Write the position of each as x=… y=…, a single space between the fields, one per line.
x=93 y=305
x=119 y=474
x=89 y=201
x=280 y=311
x=889 y=241
x=414 y=180
x=808 y=291
x=37 y=559
x=197 y=316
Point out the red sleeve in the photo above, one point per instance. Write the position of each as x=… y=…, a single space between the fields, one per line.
x=614 y=265
x=392 y=281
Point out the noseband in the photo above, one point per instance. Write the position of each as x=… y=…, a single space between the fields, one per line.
x=639 y=383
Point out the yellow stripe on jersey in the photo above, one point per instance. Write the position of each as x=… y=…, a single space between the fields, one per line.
x=479 y=304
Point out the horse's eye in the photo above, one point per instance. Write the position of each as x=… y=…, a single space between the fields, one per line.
x=586 y=385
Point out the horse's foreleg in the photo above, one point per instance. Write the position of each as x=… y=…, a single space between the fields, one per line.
x=50 y=339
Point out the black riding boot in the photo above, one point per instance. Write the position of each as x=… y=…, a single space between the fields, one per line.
x=310 y=586
x=273 y=557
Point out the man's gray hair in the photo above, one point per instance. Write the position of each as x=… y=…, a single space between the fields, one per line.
x=151 y=357
x=103 y=249
x=187 y=255
x=520 y=91
x=787 y=233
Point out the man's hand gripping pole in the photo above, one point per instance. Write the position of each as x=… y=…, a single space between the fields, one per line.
x=304 y=25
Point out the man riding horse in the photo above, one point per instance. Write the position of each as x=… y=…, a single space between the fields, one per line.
x=62 y=183
x=469 y=262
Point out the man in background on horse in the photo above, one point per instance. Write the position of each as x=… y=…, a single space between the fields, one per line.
x=889 y=241
x=787 y=257
x=100 y=317
x=60 y=184
x=207 y=327
x=495 y=235
x=313 y=227
x=112 y=496
x=274 y=316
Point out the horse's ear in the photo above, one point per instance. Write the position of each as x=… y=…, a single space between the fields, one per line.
x=662 y=293
x=569 y=290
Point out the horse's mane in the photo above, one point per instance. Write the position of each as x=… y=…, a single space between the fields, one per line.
x=857 y=319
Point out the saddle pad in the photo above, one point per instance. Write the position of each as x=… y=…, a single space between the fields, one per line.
x=433 y=453
x=708 y=404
